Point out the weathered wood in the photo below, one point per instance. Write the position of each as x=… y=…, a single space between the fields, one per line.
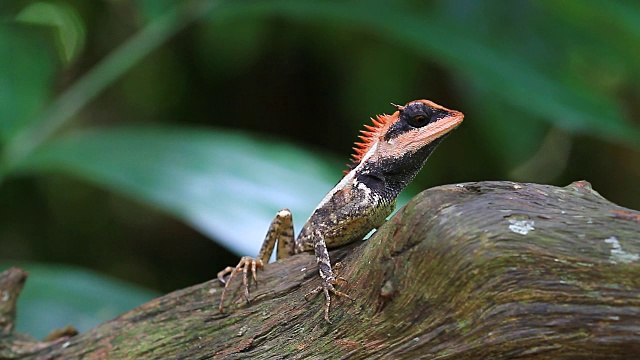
x=13 y=345
x=476 y=270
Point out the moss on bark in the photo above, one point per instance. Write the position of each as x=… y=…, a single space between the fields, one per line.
x=476 y=270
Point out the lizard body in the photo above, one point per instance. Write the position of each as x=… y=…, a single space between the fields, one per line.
x=390 y=155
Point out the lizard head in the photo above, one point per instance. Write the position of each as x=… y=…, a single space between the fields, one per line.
x=405 y=138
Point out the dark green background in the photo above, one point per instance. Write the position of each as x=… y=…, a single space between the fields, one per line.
x=141 y=139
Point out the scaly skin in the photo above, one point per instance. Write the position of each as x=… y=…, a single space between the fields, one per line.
x=388 y=158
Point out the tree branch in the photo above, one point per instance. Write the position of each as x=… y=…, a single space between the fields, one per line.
x=476 y=270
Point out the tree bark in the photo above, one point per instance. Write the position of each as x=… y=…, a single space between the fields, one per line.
x=476 y=270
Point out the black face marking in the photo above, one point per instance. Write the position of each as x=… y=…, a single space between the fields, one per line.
x=413 y=116
x=389 y=177
x=373 y=181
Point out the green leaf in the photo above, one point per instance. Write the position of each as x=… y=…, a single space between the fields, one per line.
x=55 y=296
x=64 y=19
x=26 y=75
x=153 y=9
x=67 y=105
x=438 y=37
x=227 y=185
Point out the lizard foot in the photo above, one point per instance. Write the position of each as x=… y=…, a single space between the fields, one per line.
x=247 y=264
x=327 y=287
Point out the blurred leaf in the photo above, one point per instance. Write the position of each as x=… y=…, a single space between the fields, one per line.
x=56 y=296
x=26 y=75
x=225 y=184
x=152 y=9
x=512 y=140
x=111 y=68
x=64 y=19
x=514 y=78
x=615 y=25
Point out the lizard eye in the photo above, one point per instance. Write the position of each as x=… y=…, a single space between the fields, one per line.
x=418 y=120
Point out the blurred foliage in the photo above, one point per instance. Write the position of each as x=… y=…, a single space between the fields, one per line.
x=130 y=130
x=56 y=296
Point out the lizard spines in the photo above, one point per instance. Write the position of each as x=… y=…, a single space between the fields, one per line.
x=370 y=135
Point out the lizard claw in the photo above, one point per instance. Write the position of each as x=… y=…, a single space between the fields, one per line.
x=247 y=264
x=327 y=287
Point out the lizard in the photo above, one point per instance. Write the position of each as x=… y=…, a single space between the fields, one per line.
x=390 y=154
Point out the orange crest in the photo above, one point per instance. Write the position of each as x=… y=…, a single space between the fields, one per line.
x=369 y=136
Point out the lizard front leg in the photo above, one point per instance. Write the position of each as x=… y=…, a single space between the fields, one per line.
x=327 y=277
x=281 y=231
